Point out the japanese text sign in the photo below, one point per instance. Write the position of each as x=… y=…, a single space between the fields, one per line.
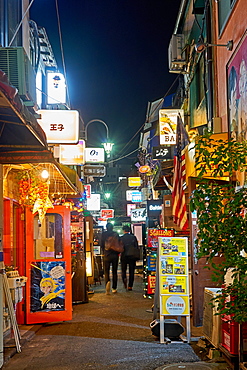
x=60 y=126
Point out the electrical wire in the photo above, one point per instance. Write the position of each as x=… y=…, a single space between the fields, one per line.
x=151 y=113
x=58 y=102
x=62 y=53
x=19 y=25
x=125 y=156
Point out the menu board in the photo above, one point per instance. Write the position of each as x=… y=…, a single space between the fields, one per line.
x=173 y=275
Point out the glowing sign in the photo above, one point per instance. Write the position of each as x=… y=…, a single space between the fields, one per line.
x=93 y=203
x=60 y=126
x=168 y=125
x=107 y=213
x=56 y=88
x=134 y=181
x=72 y=154
x=94 y=155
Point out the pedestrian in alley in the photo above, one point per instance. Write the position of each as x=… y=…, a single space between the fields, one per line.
x=129 y=256
x=111 y=257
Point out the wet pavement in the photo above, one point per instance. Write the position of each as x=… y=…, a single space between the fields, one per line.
x=111 y=331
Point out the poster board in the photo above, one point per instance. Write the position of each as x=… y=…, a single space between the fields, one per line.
x=152 y=248
x=173 y=273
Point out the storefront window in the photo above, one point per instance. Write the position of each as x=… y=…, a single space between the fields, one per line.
x=48 y=237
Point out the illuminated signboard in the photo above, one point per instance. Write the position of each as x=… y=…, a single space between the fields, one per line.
x=56 y=88
x=134 y=181
x=87 y=189
x=129 y=195
x=168 y=125
x=94 y=155
x=138 y=214
x=72 y=154
x=129 y=208
x=133 y=196
x=93 y=203
x=162 y=152
x=136 y=196
x=60 y=126
x=107 y=213
x=94 y=170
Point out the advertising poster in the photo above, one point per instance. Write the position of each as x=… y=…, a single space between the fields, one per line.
x=173 y=265
x=175 y=305
x=173 y=246
x=173 y=284
x=151 y=261
x=151 y=284
x=173 y=276
x=48 y=286
x=237 y=92
x=154 y=234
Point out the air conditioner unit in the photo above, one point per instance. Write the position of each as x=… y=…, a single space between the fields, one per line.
x=211 y=322
x=176 y=54
x=17 y=66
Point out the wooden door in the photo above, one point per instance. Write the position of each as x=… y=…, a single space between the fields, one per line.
x=48 y=266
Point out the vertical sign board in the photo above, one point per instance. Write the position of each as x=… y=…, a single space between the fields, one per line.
x=174 y=281
x=151 y=251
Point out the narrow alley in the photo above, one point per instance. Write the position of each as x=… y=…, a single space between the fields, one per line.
x=111 y=331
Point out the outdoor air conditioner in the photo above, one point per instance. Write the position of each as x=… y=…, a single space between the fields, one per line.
x=176 y=54
x=17 y=66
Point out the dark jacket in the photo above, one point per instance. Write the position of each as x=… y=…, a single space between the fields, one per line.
x=128 y=241
x=105 y=235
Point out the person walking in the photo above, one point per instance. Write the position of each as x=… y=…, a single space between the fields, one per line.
x=110 y=258
x=129 y=256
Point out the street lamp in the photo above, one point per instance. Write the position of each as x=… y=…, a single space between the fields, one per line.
x=107 y=145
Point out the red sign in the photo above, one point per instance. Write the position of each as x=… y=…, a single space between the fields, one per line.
x=107 y=213
x=151 y=284
x=87 y=189
x=154 y=234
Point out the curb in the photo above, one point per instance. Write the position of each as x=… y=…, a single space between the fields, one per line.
x=27 y=333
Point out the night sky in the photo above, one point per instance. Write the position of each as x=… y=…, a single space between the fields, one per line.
x=116 y=59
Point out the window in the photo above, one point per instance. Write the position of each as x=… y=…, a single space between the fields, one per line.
x=48 y=236
x=224 y=11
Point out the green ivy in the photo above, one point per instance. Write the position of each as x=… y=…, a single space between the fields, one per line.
x=222 y=221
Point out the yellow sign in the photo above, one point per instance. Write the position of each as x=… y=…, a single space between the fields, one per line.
x=173 y=285
x=175 y=305
x=134 y=181
x=173 y=265
x=173 y=246
x=173 y=276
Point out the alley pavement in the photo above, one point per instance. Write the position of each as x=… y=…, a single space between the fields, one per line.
x=109 y=332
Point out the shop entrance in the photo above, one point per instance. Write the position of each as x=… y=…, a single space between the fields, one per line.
x=48 y=266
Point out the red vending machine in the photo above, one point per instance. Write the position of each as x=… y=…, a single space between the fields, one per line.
x=48 y=266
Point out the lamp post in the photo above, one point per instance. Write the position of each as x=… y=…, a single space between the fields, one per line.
x=107 y=145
